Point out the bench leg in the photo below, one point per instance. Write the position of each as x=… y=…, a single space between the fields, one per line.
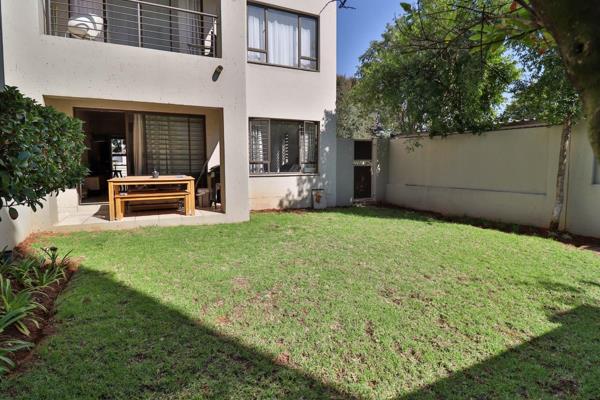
x=188 y=205
x=111 y=202
x=119 y=208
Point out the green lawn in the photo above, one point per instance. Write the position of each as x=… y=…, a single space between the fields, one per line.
x=358 y=303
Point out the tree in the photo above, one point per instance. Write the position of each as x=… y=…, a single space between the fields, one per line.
x=353 y=120
x=570 y=26
x=435 y=90
x=40 y=151
x=547 y=95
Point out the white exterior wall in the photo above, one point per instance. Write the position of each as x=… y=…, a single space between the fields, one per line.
x=583 y=202
x=507 y=176
x=69 y=73
x=285 y=93
x=48 y=67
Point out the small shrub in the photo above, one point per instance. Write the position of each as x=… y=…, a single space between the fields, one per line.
x=40 y=153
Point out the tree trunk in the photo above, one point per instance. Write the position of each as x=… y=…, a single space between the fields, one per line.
x=575 y=26
x=565 y=140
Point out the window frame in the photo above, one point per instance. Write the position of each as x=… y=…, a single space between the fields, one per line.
x=317 y=125
x=299 y=15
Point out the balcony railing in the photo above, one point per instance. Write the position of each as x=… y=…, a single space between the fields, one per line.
x=135 y=23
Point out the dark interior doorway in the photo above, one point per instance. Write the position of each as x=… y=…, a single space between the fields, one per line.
x=106 y=157
x=362 y=182
x=363 y=154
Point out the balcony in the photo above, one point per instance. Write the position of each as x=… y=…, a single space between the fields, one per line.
x=150 y=24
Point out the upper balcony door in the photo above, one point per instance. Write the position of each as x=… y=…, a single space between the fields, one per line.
x=171 y=25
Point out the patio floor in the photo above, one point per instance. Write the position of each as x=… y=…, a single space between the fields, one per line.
x=95 y=217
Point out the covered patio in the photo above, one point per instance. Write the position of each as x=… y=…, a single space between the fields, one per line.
x=132 y=142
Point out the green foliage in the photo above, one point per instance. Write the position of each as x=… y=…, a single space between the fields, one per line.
x=496 y=23
x=354 y=121
x=418 y=87
x=40 y=153
x=15 y=307
x=544 y=93
x=448 y=311
x=8 y=347
x=21 y=283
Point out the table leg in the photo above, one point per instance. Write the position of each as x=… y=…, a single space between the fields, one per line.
x=191 y=198
x=111 y=201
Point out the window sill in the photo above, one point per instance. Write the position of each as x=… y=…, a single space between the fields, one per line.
x=283 y=174
x=282 y=66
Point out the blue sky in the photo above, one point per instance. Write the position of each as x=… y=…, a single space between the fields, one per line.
x=357 y=28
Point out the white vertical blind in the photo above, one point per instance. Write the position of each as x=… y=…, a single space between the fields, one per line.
x=308 y=34
x=188 y=27
x=283 y=38
x=309 y=147
x=256 y=27
x=256 y=33
x=259 y=146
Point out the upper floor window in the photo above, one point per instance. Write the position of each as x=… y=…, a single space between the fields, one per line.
x=282 y=38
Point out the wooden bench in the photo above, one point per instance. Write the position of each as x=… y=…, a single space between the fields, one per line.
x=122 y=198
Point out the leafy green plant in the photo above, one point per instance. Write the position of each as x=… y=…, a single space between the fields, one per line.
x=53 y=257
x=19 y=271
x=8 y=347
x=41 y=276
x=40 y=153
x=16 y=307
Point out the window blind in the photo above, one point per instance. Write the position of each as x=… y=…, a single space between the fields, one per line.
x=175 y=145
x=259 y=146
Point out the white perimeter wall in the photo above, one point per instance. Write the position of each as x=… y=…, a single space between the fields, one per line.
x=507 y=176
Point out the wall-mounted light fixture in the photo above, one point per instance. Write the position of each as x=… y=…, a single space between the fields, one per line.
x=217 y=73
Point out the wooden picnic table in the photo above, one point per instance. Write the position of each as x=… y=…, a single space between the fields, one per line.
x=117 y=199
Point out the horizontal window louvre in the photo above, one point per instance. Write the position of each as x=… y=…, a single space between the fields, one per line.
x=175 y=145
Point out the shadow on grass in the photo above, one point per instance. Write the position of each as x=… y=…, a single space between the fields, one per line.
x=115 y=343
x=564 y=363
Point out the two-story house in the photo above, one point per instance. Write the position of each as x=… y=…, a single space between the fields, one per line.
x=240 y=95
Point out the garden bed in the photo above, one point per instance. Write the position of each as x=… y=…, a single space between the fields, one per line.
x=40 y=279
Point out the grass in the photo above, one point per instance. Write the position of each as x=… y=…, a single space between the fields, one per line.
x=358 y=303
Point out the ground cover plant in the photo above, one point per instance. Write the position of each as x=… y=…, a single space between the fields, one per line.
x=28 y=284
x=360 y=303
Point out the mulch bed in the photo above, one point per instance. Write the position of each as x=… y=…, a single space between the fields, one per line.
x=47 y=298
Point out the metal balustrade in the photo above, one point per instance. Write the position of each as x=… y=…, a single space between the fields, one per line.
x=135 y=23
